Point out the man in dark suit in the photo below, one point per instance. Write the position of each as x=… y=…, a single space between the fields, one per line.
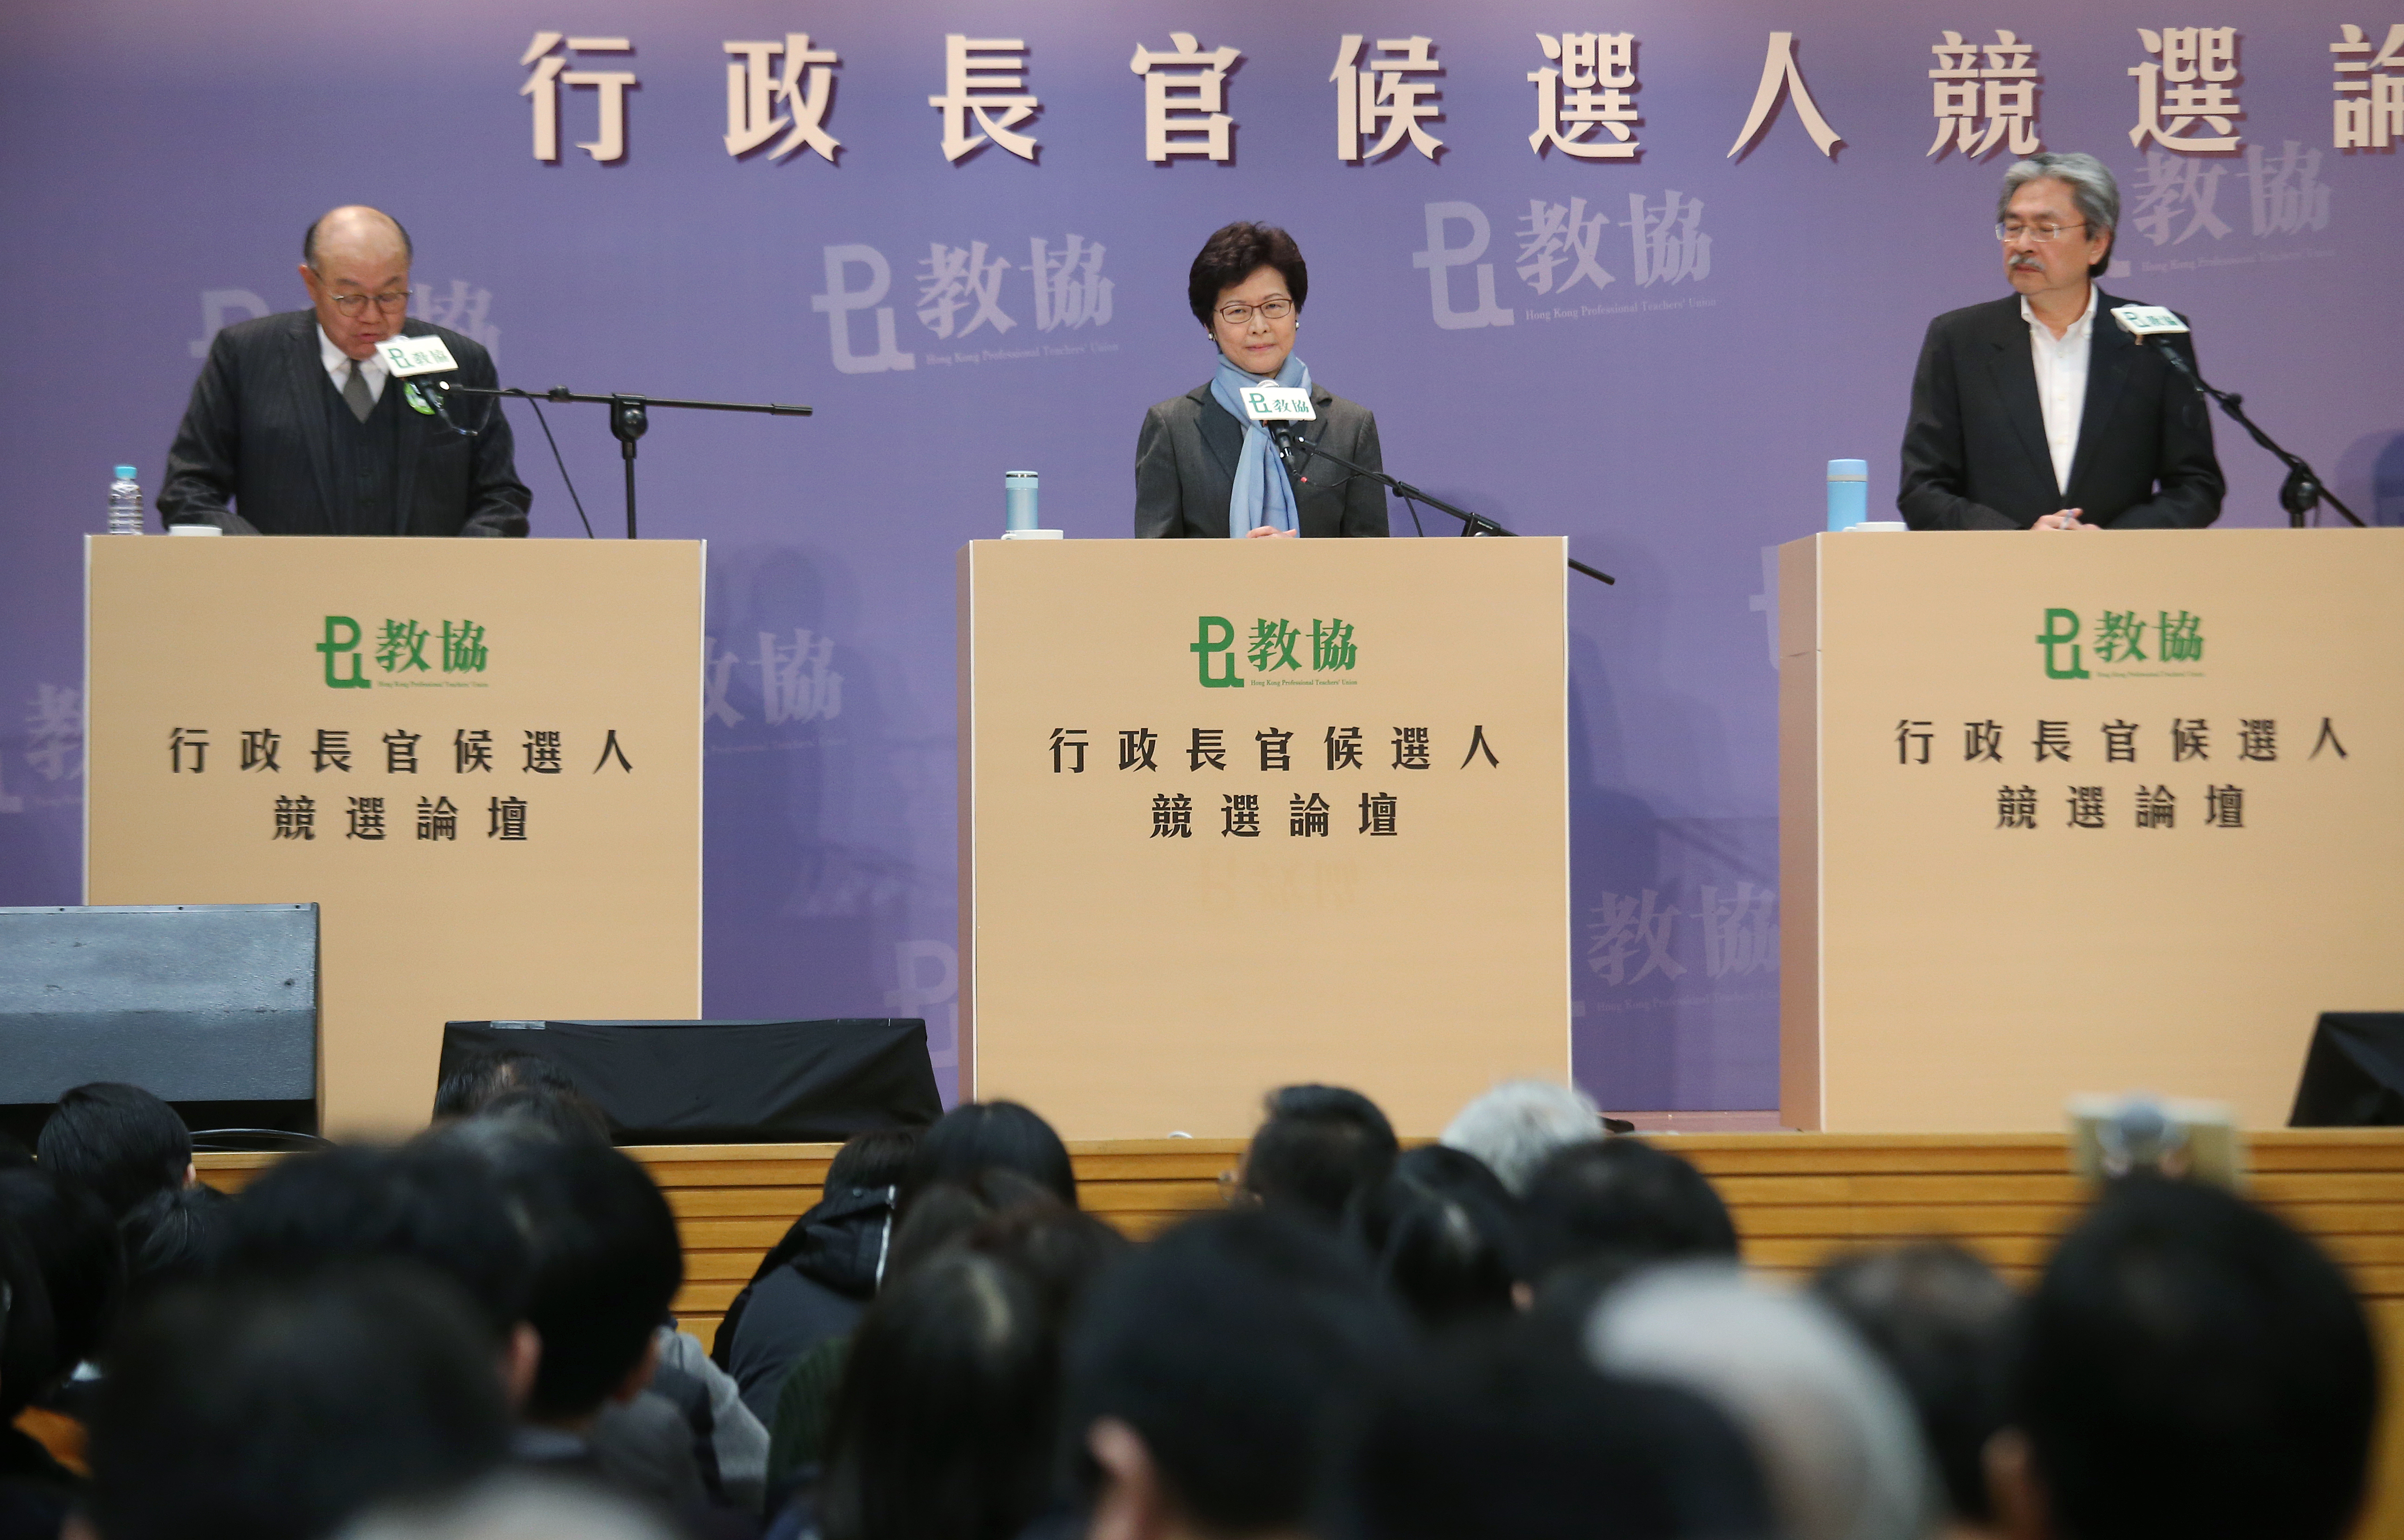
x=1247 y=288
x=297 y=424
x=2038 y=412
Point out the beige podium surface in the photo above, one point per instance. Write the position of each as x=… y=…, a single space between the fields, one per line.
x=481 y=758
x=2081 y=813
x=1236 y=813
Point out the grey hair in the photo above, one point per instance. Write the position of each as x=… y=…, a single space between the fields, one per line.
x=1514 y=1127
x=1837 y=1438
x=2091 y=188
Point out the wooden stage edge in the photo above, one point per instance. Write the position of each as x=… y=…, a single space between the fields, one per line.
x=1797 y=1199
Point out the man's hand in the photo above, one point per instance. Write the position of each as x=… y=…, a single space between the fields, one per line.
x=1260 y=532
x=2069 y=518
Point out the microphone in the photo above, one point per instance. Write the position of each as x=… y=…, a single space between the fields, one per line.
x=410 y=360
x=1276 y=408
x=2143 y=322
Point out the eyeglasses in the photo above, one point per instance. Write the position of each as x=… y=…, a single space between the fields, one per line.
x=1268 y=310
x=352 y=304
x=2045 y=235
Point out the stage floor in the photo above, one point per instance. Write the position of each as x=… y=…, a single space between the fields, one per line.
x=1797 y=1199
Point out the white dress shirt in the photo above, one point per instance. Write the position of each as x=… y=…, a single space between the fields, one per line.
x=2061 y=382
x=372 y=369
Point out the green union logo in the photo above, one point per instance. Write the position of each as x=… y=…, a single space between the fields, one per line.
x=2118 y=636
x=1274 y=646
x=400 y=647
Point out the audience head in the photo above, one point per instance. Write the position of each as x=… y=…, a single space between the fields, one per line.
x=1208 y=1375
x=943 y=1424
x=2189 y=1366
x=977 y=1137
x=1518 y=1125
x=425 y=1203
x=1316 y=1148
x=868 y=1161
x=1521 y=1446
x=607 y=1266
x=1832 y=1433
x=565 y=1110
x=1617 y=1205
x=945 y=1214
x=1440 y=1233
x=120 y=1141
x=174 y=1238
x=74 y=1240
x=1941 y=1319
x=275 y=1409
x=478 y=1078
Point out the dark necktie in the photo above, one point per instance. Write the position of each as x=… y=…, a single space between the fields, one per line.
x=355 y=393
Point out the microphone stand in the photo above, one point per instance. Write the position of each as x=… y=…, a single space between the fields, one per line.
x=629 y=417
x=2304 y=489
x=1471 y=523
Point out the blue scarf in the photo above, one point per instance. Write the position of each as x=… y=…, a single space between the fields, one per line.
x=1263 y=495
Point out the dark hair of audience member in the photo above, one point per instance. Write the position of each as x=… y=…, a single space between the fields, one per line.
x=173 y=1237
x=607 y=1266
x=2190 y=1366
x=258 y=1409
x=1941 y=1319
x=1318 y=1147
x=980 y=1136
x=29 y=1353
x=427 y=1203
x=948 y=1213
x=943 y=1420
x=120 y=1141
x=481 y=1077
x=1522 y=1445
x=879 y=1158
x=566 y=1112
x=1616 y=1205
x=1233 y=1347
x=74 y=1240
x=1441 y=1241
x=13 y=1152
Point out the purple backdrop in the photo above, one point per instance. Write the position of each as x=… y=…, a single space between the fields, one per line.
x=1761 y=316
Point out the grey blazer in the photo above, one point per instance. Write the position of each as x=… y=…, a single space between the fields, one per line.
x=1185 y=470
x=254 y=435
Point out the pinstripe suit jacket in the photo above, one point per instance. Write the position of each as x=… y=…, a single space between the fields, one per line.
x=255 y=437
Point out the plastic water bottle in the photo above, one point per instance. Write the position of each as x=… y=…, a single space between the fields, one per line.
x=1018 y=500
x=124 y=503
x=1849 y=493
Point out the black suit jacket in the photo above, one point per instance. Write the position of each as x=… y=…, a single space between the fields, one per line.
x=255 y=436
x=1185 y=470
x=1974 y=455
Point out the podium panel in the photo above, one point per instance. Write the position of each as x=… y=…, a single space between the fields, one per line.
x=482 y=759
x=2081 y=814
x=1235 y=813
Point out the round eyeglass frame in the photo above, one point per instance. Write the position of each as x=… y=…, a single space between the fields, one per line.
x=1275 y=309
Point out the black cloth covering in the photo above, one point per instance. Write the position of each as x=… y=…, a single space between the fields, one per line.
x=2353 y=1072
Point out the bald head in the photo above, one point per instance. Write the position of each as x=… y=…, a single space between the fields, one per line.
x=356 y=230
x=357 y=272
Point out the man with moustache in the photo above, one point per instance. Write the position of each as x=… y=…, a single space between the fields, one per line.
x=2038 y=412
x=296 y=427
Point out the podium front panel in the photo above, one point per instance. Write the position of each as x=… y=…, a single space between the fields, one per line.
x=2081 y=813
x=481 y=758
x=1238 y=814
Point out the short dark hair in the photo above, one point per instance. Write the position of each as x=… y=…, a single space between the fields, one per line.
x=174 y=1238
x=943 y=1422
x=1440 y=1233
x=277 y=1410
x=475 y=1079
x=309 y=239
x=1522 y=1445
x=566 y=1113
x=879 y=1158
x=1619 y=1204
x=1941 y=1319
x=1317 y=1146
x=426 y=1203
x=1234 y=1346
x=607 y=1266
x=2192 y=1368
x=118 y=1139
x=978 y=1136
x=1233 y=254
x=75 y=1244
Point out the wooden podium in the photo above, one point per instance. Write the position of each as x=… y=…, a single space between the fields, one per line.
x=1236 y=813
x=2073 y=815
x=482 y=759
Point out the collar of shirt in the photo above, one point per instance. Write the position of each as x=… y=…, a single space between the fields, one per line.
x=372 y=369
x=2078 y=330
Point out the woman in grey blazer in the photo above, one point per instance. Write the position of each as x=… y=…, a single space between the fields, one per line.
x=1202 y=470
